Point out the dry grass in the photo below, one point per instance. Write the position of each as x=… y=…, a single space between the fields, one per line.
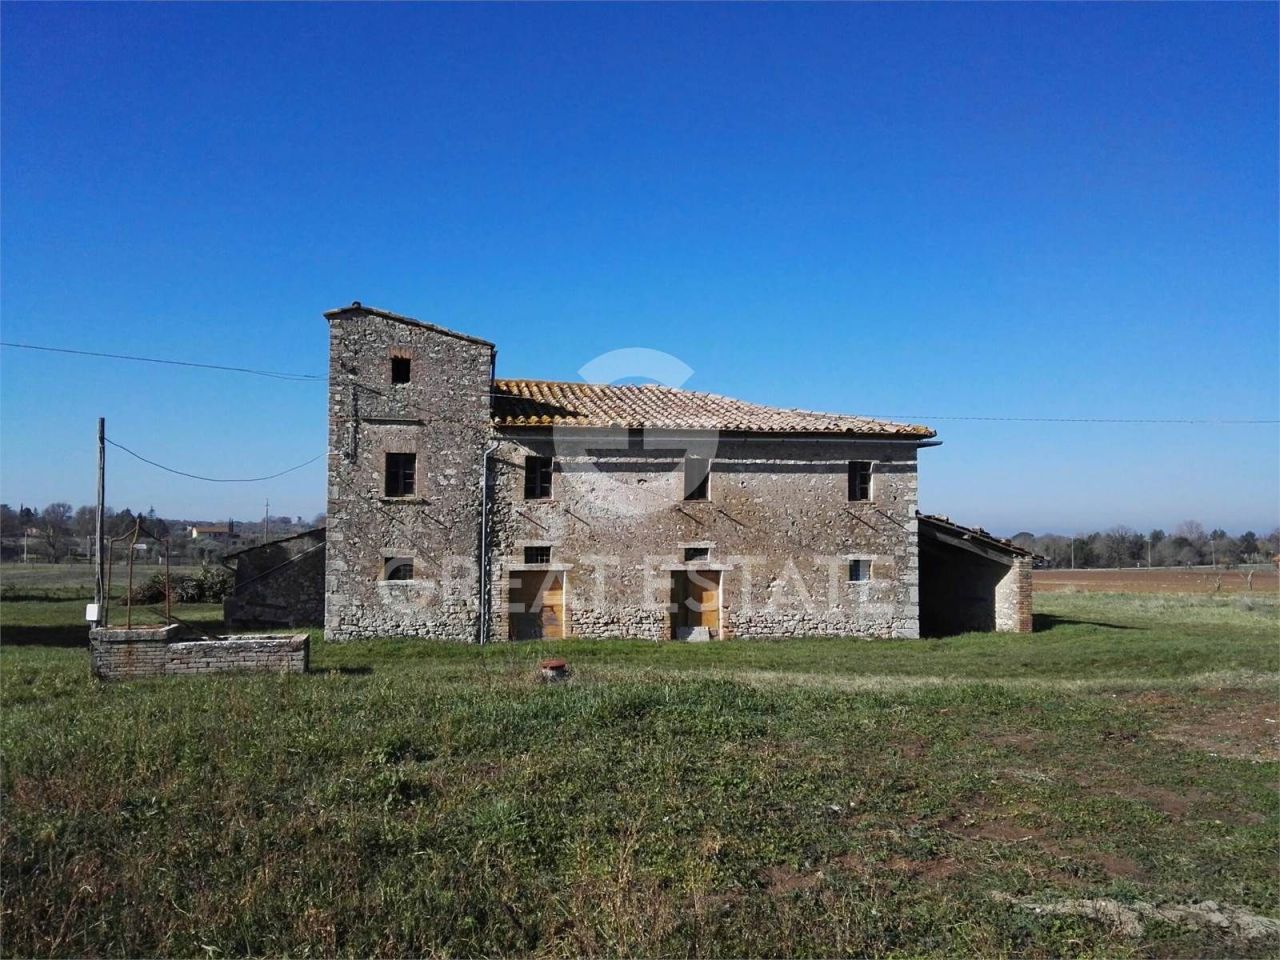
x=745 y=799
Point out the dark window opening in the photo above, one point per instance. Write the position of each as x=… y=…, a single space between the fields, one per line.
x=537 y=554
x=398 y=568
x=859 y=479
x=400 y=369
x=859 y=570
x=537 y=478
x=696 y=553
x=401 y=468
x=697 y=473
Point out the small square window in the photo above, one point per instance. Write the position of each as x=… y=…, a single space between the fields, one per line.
x=537 y=478
x=859 y=480
x=397 y=568
x=400 y=476
x=537 y=554
x=859 y=571
x=692 y=554
x=697 y=474
x=400 y=369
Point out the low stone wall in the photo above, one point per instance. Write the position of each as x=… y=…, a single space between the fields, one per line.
x=163 y=651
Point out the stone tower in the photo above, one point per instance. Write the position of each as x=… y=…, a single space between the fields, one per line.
x=409 y=421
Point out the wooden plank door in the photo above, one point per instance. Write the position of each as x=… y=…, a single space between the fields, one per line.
x=553 y=607
x=707 y=593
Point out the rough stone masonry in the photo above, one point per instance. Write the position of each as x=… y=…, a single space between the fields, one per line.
x=131 y=654
x=467 y=508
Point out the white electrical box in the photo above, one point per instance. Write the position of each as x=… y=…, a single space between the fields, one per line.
x=91 y=612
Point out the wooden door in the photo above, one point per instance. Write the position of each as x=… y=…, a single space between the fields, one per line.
x=536 y=605
x=552 y=612
x=705 y=587
x=695 y=597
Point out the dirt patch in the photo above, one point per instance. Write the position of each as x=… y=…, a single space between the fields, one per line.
x=1179 y=803
x=914 y=748
x=1159 y=698
x=1230 y=721
x=978 y=827
x=1116 y=865
x=939 y=868
x=1004 y=830
x=785 y=879
x=1017 y=741
x=1243 y=724
x=1169 y=802
x=932 y=870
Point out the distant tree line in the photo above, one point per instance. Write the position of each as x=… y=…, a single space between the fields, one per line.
x=59 y=532
x=1188 y=545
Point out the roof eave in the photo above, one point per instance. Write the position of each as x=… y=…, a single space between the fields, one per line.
x=925 y=438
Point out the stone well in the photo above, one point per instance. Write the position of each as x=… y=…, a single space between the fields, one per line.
x=120 y=654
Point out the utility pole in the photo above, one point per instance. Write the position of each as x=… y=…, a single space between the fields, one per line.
x=1073 y=553
x=1148 y=552
x=98 y=527
x=266 y=521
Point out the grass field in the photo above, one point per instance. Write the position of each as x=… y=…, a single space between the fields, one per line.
x=1259 y=578
x=814 y=797
x=73 y=581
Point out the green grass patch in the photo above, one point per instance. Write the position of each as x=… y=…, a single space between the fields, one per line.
x=817 y=797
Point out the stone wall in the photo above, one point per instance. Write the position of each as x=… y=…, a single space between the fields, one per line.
x=442 y=416
x=279 y=584
x=116 y=654
x=778 y=524
x=1013 y=598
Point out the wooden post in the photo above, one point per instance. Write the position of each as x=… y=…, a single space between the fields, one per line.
x=106 y=597
x=133 y=542
x=166 y=579
x=99 y=583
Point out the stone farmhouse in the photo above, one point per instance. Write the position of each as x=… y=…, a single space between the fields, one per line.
x=466 y=507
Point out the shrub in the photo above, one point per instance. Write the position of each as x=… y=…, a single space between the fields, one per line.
x=208 y=586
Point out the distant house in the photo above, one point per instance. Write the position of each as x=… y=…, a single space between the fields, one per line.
x=223 y=533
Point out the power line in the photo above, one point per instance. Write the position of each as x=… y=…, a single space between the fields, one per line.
x=316 y=378
x=196 y=476
x=1173 y=420
x=273 y=374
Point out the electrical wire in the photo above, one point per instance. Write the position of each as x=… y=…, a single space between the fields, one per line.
x=316 y=378
x=196 y=476
x=1170 y=420
x=273 y=374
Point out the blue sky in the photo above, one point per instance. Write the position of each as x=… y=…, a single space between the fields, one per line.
x=1028 y=210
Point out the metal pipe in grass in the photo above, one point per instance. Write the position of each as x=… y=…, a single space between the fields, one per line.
x=484 y=541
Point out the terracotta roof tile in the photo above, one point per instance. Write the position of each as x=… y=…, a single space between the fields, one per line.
x=974 y=533
x=549 y=403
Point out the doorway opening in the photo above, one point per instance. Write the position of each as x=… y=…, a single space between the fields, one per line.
x=695 y=604
x=535 y=605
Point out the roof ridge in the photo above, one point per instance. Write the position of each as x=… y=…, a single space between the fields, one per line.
x=543 y=403
x=358 y=307
x=587 y=383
